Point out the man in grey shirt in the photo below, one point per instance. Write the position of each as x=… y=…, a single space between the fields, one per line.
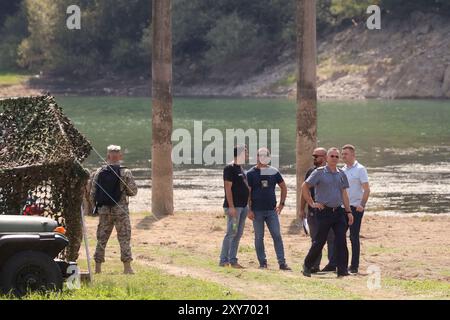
x=320 y=157
x=330 y=185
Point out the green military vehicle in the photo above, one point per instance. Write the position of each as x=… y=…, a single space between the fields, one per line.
x=29 y=247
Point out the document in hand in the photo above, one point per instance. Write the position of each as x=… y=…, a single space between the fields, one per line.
x=306 y=226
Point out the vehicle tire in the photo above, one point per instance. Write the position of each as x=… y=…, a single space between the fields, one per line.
x=30 y=271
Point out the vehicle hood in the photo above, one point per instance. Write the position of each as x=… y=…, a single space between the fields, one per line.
x=26 y=224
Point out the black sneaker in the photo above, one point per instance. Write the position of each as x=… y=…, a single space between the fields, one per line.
x=263 y=266
x=329 y=268
x=353 y=270
x=285 y=267
x=306 y=272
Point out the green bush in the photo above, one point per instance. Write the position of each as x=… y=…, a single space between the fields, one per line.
x=230 y=38
x=343 y=9
x=13 y=31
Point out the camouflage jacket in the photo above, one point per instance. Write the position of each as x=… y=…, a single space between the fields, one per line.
x=127 y=185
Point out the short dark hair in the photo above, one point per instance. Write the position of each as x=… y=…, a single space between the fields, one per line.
x=349 y=147
x=238 y=149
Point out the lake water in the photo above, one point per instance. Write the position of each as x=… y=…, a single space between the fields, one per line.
x=404 y=144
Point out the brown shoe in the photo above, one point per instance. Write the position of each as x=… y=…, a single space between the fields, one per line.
x=236 y=266
x=127 y=268
x=226 y=264
x=98 y=267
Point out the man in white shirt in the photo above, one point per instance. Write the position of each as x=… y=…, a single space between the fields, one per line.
x=359 y=194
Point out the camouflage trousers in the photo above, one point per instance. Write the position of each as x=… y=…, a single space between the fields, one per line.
x=106 y=224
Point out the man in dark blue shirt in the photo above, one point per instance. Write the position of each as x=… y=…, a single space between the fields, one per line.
x=262 y=180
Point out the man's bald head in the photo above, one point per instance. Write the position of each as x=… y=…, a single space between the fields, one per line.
x=263 y=156
x=264 y=151
x=320 y=157
x=320 y=151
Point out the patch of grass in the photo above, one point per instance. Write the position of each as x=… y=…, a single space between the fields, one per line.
x=147 y=284
x=289 y=286
x=375 y=250
x=329 y=67
x=298 y=286
x=142 y=213
x=10 y=79
x=432 y=289
x=287 y=81
x=427 y=218
x=414 y=264
x=445 y=272
x=246 y=249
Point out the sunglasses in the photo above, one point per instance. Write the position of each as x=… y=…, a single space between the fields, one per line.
x=337 y=157
x=315 y=156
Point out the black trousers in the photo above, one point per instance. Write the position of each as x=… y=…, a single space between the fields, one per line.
x=327 y=220
x=313 y=227
x=355 y=229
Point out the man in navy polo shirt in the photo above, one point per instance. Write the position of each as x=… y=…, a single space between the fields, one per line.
x=262 y=180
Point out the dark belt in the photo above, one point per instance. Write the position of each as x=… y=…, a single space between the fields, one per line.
x=332 y=209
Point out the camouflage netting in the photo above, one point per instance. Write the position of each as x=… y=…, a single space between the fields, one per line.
x=40 y=164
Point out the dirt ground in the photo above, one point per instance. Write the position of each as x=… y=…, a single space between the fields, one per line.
x=412 y=253
x=19 y=90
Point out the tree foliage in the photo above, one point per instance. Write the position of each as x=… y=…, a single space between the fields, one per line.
x=116 y=34
x=14 y=29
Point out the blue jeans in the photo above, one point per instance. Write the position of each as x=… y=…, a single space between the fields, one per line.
x=269 y=217
x=235 y=229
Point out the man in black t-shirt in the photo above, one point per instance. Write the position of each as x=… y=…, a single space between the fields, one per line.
x=235 y=206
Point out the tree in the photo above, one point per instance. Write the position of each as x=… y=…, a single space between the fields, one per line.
x=306 y=89
x=230 y=42
x=351 y=8
x=109 y=39
x=8 y=8
x=162 y=170
x=15 y=28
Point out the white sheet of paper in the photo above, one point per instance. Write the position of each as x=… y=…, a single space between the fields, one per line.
x=306 y=226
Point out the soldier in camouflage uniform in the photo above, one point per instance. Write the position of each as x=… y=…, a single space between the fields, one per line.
x=116 y=216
